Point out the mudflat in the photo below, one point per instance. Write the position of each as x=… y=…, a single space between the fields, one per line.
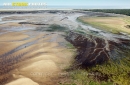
x=36 y=49
x=30 y=57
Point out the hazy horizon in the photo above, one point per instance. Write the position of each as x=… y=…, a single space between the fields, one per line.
x=63 y=7
x=87 y=4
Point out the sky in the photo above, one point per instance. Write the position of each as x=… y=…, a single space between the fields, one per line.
x=95 y=3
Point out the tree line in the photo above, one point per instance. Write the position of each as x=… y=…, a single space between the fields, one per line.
x=116 y=11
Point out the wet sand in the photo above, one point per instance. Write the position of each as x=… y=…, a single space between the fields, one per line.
x=36 y=57
x=41 y=61
x=31 y=57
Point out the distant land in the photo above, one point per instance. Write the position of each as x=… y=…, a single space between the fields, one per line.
x=62 y=7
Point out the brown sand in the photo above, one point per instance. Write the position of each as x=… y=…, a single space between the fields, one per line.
x=40 y=63
x=43 y=63
x=23 y=81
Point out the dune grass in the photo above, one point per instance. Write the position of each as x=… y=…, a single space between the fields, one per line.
x=111 y=24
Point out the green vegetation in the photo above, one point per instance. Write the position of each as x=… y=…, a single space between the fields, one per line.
x=116 y=11
x=110 y=73
x=118 y=72
x=81 y=77
x=111 y=24
x=55 y=27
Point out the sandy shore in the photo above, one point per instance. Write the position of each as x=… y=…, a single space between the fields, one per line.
x=33 y=64
x=32 y=57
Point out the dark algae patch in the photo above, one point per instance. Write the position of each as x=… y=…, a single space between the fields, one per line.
x=106 y=62
x=94 y=50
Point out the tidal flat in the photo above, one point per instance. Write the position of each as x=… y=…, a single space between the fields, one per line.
x=54 y=47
